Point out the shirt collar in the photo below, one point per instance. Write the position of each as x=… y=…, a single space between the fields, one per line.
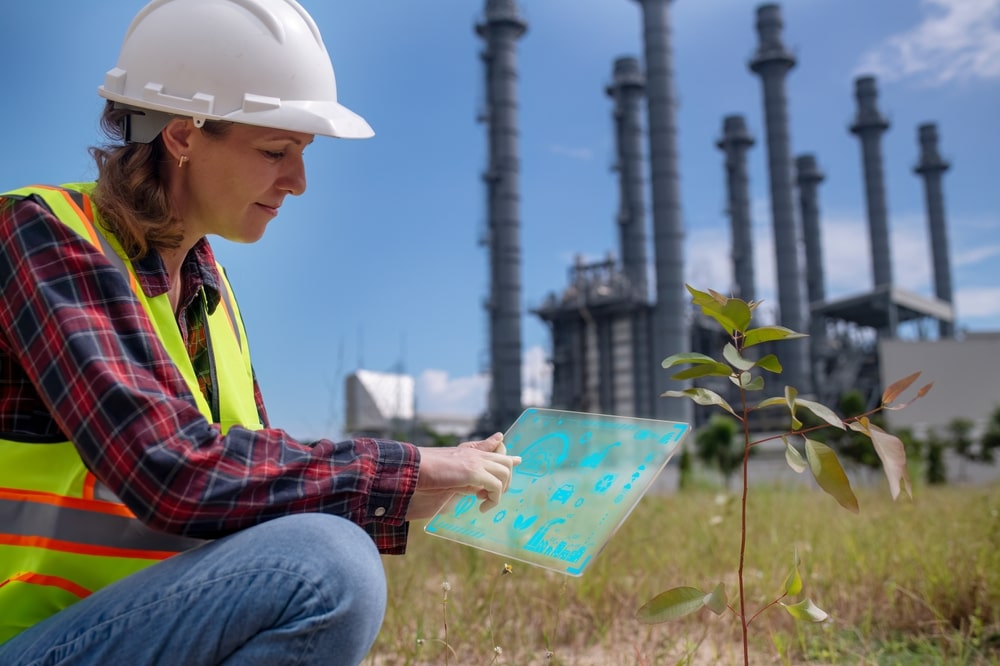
x=199 y=270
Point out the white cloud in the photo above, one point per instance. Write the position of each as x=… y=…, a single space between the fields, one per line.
x=957 y=40
x=974 y=302
x=974 y=255
x=536 y=378
x=440 y=393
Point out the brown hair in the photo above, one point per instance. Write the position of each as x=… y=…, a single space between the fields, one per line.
x=131 y=193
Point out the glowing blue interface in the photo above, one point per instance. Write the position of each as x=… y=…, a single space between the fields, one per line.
x=580 y=477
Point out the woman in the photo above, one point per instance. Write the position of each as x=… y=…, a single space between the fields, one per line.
x=149 y=513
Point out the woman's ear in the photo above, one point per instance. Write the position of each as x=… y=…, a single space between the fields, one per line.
x=177 y=138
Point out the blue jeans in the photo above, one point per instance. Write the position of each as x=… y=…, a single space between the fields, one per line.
x=305 y=589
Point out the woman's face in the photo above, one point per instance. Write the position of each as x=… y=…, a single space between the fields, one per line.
x=234 y=184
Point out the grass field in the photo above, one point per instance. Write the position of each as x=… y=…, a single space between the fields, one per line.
x=907 y=582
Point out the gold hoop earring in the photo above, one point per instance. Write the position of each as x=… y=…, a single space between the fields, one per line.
x=181 y=161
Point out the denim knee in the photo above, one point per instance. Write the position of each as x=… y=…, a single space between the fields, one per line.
x=343 y=563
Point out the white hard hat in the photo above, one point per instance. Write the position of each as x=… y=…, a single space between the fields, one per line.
x=259 y=62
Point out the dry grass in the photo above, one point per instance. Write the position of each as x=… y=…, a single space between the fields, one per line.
x=905 y=583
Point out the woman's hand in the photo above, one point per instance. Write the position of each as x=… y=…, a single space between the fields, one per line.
x=481 y=468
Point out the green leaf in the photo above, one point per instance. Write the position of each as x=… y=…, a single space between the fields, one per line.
x=734 y=359
x=757 y=384
x=687 y=357
x=793 y=581
x=755 y=336
x=704 y=370
x=769 y=363
x=738 y=312
x=716 y=602
x=829 y=474
x=706 y=299
x=892 y=453
x=806 y=611
x=670 y=605
x=793 y=457
x=822 y=411
x=732 y=314
x=790 y=394
x=701 y=396
x=771 y=402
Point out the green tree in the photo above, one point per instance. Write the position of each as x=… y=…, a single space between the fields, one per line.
x=990 y=440
x=960 y=440
x=685 y=467
x=719 y=447
x=936 y=473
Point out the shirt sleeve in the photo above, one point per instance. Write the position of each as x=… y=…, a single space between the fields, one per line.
x=86 y=345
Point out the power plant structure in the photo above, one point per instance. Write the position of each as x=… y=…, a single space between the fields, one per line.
x=931 y=167
x=609 y=334
x=501 y=27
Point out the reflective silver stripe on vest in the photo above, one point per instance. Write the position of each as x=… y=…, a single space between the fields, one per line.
x=87 y=528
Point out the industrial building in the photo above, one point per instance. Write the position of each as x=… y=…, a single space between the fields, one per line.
x=617 y=318
x=609 y=333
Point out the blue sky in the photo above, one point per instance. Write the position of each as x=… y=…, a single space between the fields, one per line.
x=378 y=265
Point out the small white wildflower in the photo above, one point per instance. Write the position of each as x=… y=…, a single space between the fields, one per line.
x=715 y=520
x=420 y=642
x=446 y=586
x=548 y=655
x=498 y=650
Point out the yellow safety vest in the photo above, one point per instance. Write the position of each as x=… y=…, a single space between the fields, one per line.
x=63 y=535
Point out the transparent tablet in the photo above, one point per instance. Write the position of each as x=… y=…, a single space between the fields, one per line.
x=580 y=477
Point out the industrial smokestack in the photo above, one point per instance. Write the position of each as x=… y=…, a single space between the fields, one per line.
x=502 y=27
x=735 y=142
x=808 y=176
x=626 y=89
x=930 y=168
x=772 y=62
x=869 y=125
x=670 y=328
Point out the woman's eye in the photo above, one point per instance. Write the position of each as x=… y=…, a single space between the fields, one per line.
x=273 y=154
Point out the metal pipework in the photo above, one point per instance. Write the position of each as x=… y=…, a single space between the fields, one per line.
x=735 y=142
x=627 y=89
x=772 y=62
x=502 y=27
x=931 y=167
x=670 y=326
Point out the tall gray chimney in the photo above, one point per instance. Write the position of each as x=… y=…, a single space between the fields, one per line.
x=772 y=63
x=502 y=26
x=869 y=125
x=808 y=176
x=626 y=89
x=670 y=327
x=735 y=142
x=931 y=167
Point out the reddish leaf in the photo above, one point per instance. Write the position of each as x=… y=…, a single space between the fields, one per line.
x=891 y=452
